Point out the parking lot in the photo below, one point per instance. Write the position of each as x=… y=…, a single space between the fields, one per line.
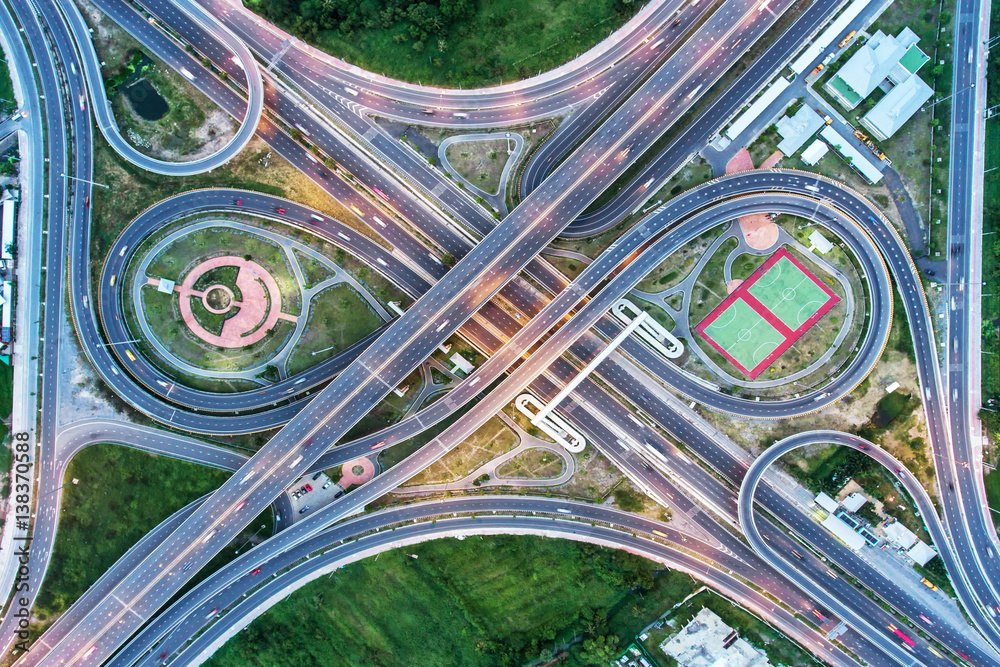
x=314 y=499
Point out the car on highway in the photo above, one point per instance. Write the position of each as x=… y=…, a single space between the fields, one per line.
x=280 y=210
x=86 y=202
x=239 y=202
x=378 y=444
x=357 y=211
x=304 y=509
x=187 y=566
x=255 y=572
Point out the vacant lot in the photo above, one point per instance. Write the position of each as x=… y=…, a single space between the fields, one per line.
x=534 y=463
x=479 y=162
x=488 y=442
x=462 y=595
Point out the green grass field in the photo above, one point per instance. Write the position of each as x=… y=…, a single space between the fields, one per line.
x=338 y=318
x=744 y=334
x=789 y=293
x=122 y=495
x=493 y=601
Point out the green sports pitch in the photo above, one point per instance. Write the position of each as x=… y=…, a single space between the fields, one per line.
x=765 y=315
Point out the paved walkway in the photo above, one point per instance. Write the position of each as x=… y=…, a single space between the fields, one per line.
x=259 y=309
x=291 y=248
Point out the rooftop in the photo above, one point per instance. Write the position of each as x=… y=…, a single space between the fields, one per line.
x=797 y=129
x=708 y=642
x=872 y=64
x=899 y=104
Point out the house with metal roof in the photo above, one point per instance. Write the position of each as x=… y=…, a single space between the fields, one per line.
x=878 y=59
x=898 y=105
x=796 y=129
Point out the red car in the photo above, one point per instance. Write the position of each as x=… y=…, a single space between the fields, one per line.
x=255 y=572
x=308 y=488
x=239 y=202
x=280 y=210
x=378 y=444
x=241 y=505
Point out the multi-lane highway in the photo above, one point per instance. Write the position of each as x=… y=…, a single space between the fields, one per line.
x=627 y=93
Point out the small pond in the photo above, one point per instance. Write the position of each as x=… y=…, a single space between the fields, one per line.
x=148 y=103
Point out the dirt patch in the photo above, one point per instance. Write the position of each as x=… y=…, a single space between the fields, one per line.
x=759 y=231
x=740 y=162
x=772 y=160
x=489 y=441
x=595 y=477
x=479 y=162
x=534 y=463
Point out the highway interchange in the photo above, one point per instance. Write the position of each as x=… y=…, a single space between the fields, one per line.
x=644 y=91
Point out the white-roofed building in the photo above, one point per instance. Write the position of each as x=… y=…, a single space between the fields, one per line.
x=797 y=129
x=6 y=306
x=843 y=532
x=920 y=553
x=856 y=158
x=899 y=535
x=744 y=120
x=7 y=237
x=814 y=153
x=897 y=107
x=462 y=364
x=833 y=32
x=853 y=502
x=706 y=641
x=826 y=502
x=870 y=66
x=820 y=242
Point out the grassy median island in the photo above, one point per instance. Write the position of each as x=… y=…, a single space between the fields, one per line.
x=502 y=600
x=158 y=111
x=451 y=42
x=338 y=318
x=122 y=494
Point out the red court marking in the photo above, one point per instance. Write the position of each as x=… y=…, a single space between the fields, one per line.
x=743 y=293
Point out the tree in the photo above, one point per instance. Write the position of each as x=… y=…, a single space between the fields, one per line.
x=599 y=650
x=449 y=260
x=432 y=161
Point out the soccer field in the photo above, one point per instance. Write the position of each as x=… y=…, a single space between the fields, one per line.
x=743 y=335
x=765 y=315
x=790 y=293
